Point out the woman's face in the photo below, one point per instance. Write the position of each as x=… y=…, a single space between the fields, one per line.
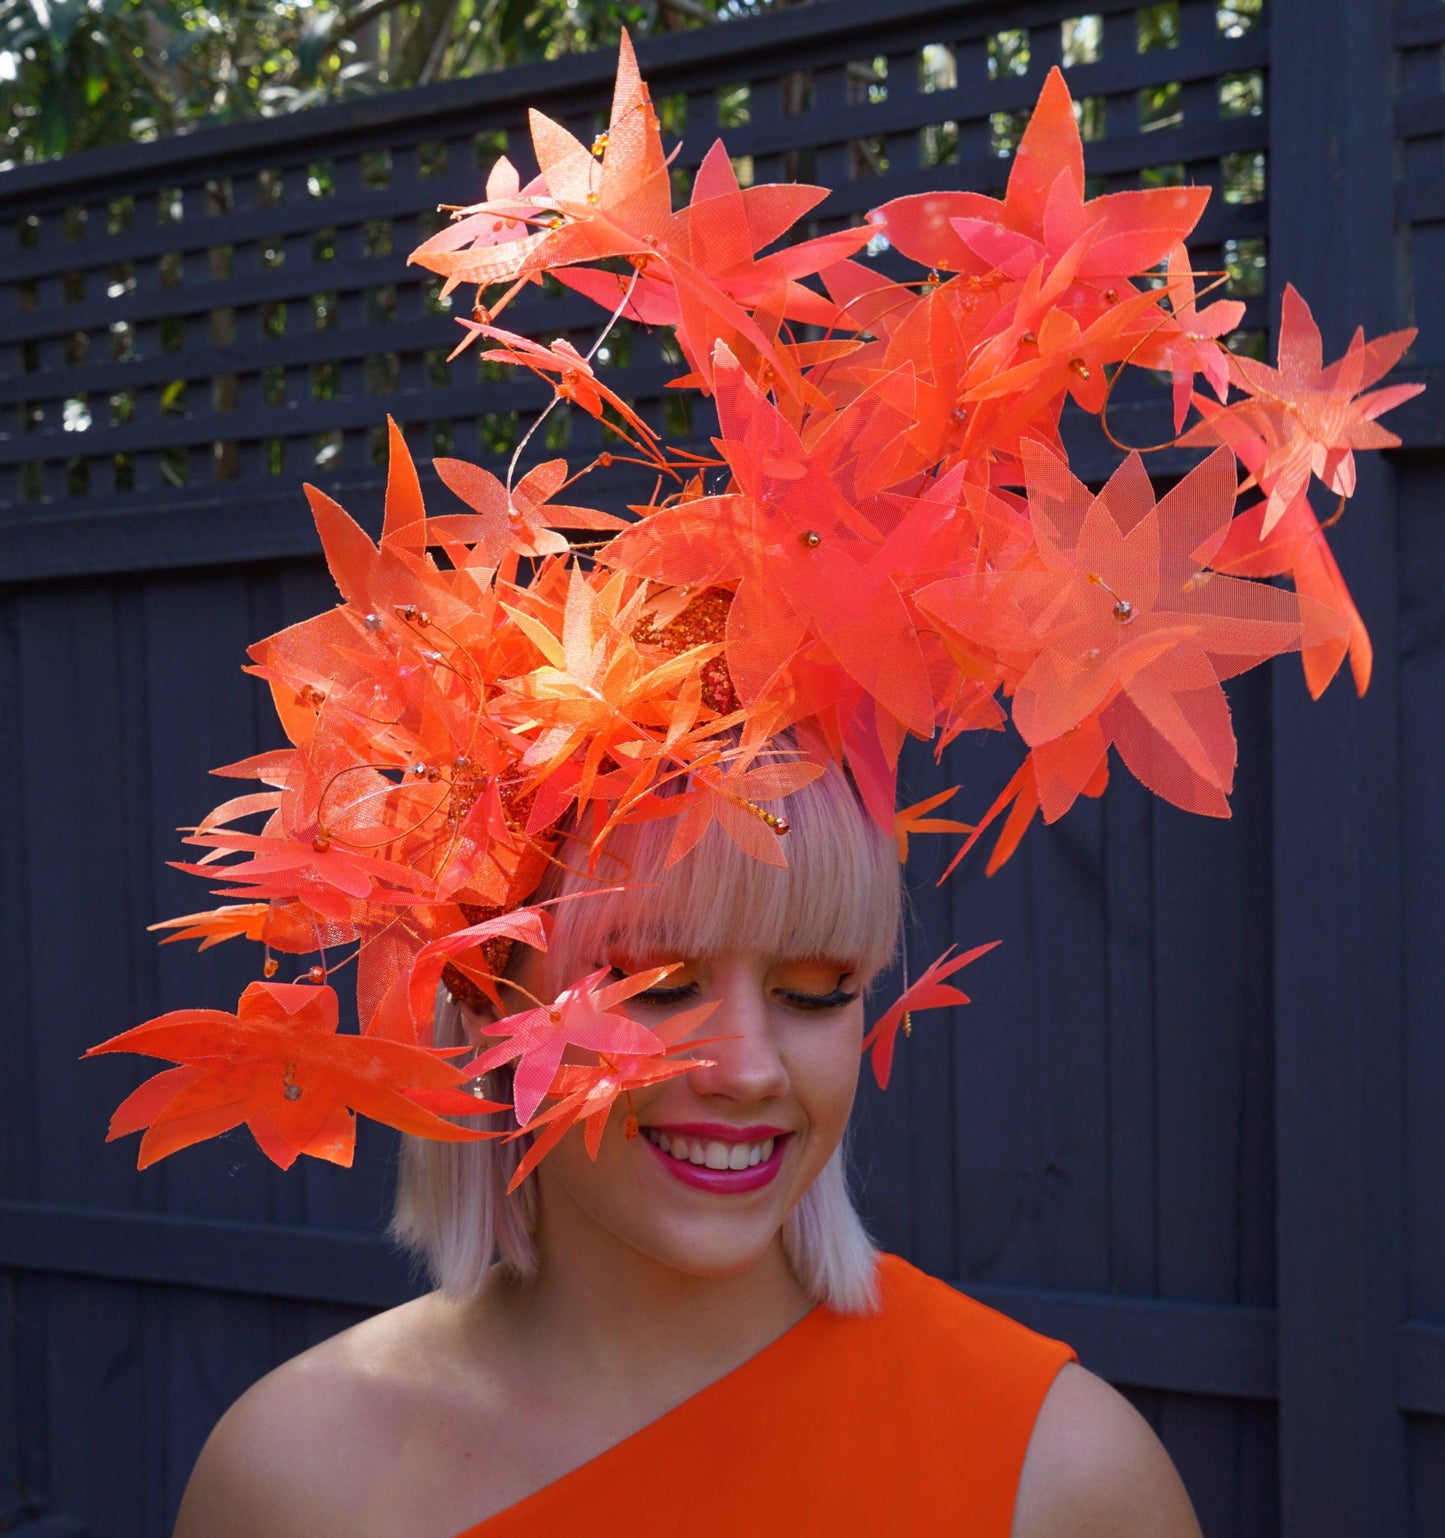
x=725 y=1151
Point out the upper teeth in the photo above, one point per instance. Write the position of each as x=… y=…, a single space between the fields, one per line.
x=710 y=1153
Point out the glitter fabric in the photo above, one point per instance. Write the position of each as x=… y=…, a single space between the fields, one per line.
x=702 y=623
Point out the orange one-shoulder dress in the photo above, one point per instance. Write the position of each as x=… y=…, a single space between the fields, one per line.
x=913 y=1421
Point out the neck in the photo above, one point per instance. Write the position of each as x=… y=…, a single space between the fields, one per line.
x=602 y=1313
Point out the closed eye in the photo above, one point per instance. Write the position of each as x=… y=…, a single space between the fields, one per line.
x=665 y=997
x=834 y=1000
x=658 y=996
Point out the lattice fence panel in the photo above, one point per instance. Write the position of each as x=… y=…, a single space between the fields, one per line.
x=202 y=323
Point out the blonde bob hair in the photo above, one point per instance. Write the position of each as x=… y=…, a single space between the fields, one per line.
x=840 y=896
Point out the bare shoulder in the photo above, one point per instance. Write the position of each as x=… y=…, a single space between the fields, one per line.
x=1095 y=1469
x=300 y=1452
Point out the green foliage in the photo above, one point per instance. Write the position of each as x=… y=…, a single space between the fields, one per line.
x=65 y=73
x=1008 y=53
x=1236 y=17
x=1158 y=26
x=75 y=74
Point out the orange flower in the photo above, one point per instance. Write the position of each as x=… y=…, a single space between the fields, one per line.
x=1123 y=621
x=278 y=1065
x=1045 y=217
x=523 y=520
x=1312 y=418
x=929 y=992
x=587 y=1092
x=583 y=1015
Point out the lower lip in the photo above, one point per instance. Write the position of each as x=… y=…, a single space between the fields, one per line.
x=724 y=1182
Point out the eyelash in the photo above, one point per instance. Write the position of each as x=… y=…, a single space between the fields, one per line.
x=664 y=995
x=837 y=999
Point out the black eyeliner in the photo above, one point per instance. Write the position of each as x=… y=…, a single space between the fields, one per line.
x=837 y=999
x=820 y=1001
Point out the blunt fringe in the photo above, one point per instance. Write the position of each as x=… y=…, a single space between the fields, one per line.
x=840 y=895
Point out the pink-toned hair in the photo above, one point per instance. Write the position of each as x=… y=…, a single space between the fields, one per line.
x=840 y=896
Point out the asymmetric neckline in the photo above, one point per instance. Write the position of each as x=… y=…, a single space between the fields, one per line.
x=792 y=1341
x=912 y=1419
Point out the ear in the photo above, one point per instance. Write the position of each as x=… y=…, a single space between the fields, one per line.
x=458 y=1020
x=472 y=1016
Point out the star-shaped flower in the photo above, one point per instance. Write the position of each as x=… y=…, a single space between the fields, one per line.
x=278 y=1065
x=1311 y=417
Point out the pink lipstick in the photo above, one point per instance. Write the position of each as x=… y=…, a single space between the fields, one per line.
x=722 y=1182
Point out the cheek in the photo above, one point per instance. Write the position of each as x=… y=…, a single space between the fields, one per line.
x=823 y=1059
x=823 y=1066
x=600 y=1188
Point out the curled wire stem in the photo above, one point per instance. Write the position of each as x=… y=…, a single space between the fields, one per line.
x=615 y=316
x=442 y=662
x=328 y=972
x=512 y=983
x=546 y=411
x=552 y=858
x=1335 y=516
x=487 y=313
x=1219 y=278
x=326 y=832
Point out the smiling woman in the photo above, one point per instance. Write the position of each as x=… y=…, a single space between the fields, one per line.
x=628 y=793
x=799 y=944
x=700 y=1262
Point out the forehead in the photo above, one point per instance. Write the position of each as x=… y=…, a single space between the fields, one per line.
x=838 y=898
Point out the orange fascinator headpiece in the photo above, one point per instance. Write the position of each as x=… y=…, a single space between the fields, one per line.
x=886 y=540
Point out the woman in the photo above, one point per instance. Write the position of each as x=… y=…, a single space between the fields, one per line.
x=687 y=1326
x=668 y=1345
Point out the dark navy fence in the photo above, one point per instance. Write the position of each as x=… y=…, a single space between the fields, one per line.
x=1195 y=1120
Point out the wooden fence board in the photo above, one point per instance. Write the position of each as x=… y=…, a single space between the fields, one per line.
x=1337 y=855
x=1069 y=945
x=1422 y=792
x=96 y=1376
x=1130 y=1106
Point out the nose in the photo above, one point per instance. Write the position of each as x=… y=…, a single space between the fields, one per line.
x=747 y=1066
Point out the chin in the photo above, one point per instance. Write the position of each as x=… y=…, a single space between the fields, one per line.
x=706 y=1250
